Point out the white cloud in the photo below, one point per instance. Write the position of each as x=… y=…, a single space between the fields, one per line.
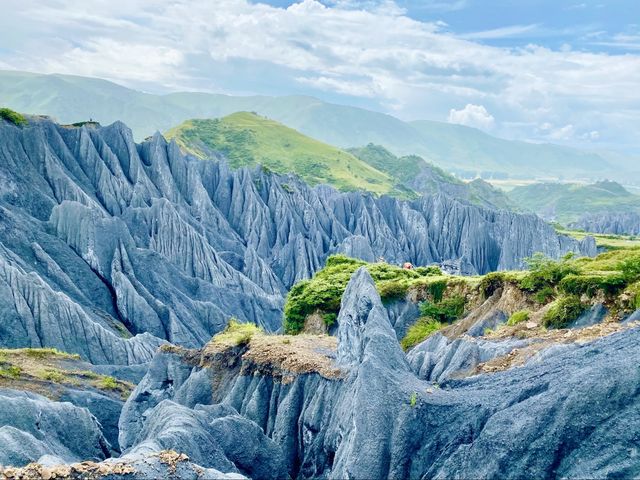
x=376 y=54
x=562 y=133
x=503 y=32
x=472 y=116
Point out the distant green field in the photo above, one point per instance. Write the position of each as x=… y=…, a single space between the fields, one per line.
x=610 y=242
x=568 y=202
x=248 y=139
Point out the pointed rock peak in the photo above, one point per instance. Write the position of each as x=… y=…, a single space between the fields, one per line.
x=364 y=329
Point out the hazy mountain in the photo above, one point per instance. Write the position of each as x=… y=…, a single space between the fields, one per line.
x=462 y=149
x=567 y=202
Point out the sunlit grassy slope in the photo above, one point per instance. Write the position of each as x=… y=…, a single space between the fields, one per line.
x=248 y=139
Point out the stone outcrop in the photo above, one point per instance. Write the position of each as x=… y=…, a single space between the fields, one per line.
x=108 y=248
x=566 y=415
x=627 y=223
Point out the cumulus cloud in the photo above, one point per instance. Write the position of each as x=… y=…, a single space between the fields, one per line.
x=368 y=50
x=472 y=116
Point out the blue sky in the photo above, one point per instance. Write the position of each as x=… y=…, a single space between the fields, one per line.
x=537 y=70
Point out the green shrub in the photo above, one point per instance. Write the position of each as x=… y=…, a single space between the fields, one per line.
x=419 y=331
x=590 y=284
x=545 y=272
x=236 y=333
x=446 y=310
x=491 y=282
x=324 y=291
x=563 y=311
x=518 y=317
x=430 y=271
x=630 y=269
x=436 y=289
x=329 y=319
x=413 y=400
x=13 y=117
x=108 y=383
x=52 y=375
x=389 y=289
x=543 y=295
x=11 y=371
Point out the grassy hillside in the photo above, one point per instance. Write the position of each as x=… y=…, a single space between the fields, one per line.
x=426 y=178
x=248 y=139
x=565 y=202
x=453 y=147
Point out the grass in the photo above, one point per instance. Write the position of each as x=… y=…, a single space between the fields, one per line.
x=45 y=370
x=248 y=139
x=324 y=291
x=606 y=241
x=518 y=317
x=107 y=383
x=420 y=331
x=16 y=118
x=563 y=311
x=236 y=333
x=569 y=202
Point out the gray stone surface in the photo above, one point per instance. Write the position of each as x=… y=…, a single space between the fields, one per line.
x=626 y=223
x=568 y=414
x=32 y=426
x=108 y=248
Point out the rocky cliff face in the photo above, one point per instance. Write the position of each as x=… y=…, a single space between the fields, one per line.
x=380 y=420
x=108 y=248
x=610 y=223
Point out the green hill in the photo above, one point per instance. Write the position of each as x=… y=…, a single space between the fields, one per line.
x=456 y=148
x=567 y=202
x=426 y=178
x=248 y=139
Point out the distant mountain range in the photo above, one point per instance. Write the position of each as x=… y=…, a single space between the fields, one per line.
x=567 y=203
x=460 y=149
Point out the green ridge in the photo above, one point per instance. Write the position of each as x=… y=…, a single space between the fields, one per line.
x=248 y=139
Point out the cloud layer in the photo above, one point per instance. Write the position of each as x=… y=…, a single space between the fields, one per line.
x=370 y=53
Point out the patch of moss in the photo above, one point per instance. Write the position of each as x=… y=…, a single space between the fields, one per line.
x=589 y=285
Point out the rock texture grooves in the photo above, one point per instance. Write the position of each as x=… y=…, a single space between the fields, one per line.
x=611 y=223
x=572 y=414
x=108 y=248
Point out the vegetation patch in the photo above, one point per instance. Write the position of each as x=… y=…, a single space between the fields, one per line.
x=563 y=311
x=236 y=334
x=248 y=139
x=48 y=371
x=14 y=117
x=323 y=293
x=420 y=331
x=518 y=317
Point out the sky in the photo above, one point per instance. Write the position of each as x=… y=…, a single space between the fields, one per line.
x=537 y=70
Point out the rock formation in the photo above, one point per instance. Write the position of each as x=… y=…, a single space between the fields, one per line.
x=627 y=223
x=109 y=248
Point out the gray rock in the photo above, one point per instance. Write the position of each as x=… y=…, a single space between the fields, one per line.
x=32 y=426
x=109 y=248
x=625 y=223
x=562 y=415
